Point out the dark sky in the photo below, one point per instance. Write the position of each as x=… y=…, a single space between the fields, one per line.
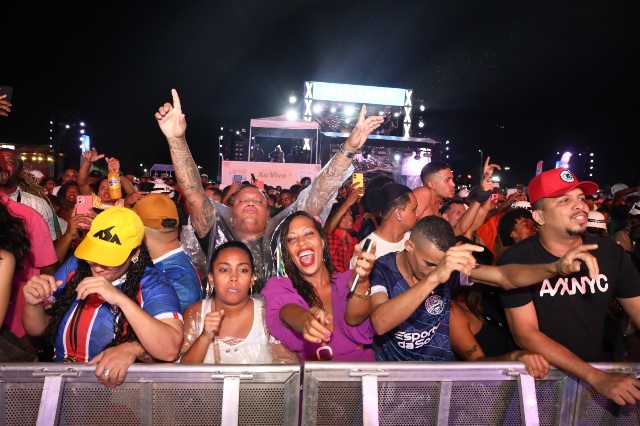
x=520 y=80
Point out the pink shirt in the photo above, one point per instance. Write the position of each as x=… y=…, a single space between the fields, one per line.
x=42 y=254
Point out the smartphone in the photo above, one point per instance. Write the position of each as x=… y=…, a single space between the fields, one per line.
x=494 y=198
x=84 y=204
x=6 y=90
x=237 y=178
x=520 y=187
x=260 y=184
x=357 y=180
x=146 y=186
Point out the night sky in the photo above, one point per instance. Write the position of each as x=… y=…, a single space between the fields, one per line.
x=519 y=80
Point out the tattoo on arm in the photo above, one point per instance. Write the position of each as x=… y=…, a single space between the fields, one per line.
x=200 y=207
x=471 y=351
x=327 y=182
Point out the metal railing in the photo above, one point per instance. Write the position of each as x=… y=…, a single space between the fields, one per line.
x=332 y=393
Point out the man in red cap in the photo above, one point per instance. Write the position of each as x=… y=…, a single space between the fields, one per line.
x=563 y=317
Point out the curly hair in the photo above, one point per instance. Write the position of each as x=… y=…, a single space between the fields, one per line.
x=122 y=328
x=302 y=286
x=13 y=235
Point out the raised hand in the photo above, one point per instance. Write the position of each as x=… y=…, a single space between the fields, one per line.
x=362 y=130
x=212 y=322
x=457 y=258
x=573 y=259
x=170 y=118
x=92 y=155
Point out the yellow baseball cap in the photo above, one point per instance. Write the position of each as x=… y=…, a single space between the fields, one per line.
x=113 y=235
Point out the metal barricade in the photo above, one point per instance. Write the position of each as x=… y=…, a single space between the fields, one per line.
x=158 y=394
x=454 y=393
x=334 y=393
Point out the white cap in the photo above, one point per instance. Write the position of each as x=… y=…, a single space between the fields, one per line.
x=37 y=173
x=463 y=193
x=596 y=220
x=635 y=210
x=521 y=205
x=162 y=188
x=618 y=187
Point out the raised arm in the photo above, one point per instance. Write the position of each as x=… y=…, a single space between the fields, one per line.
x=338 y=168
x=173 y=124
x=517 y=275
x=90 y=157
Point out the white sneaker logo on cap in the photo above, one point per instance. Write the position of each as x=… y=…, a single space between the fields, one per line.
x=567 y=176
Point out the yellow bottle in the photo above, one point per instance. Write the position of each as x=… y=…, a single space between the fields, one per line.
x=115 y=190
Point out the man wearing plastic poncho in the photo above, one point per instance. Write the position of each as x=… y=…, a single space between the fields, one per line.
x=247 y=220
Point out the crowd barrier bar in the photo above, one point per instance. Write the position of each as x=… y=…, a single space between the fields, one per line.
x=332 y=393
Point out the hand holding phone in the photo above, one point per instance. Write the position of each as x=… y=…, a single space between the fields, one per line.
x=84 y=204
x=366 y=247
x=357 y=180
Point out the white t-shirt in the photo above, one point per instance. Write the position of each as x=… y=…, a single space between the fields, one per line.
x=382 y=247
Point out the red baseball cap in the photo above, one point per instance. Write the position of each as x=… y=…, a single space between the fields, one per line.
x=557 y=182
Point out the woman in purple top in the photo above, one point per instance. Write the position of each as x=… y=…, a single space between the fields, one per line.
x=306 y=310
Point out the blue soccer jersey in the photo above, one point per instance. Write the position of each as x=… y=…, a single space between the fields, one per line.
x=424 y=336
x=182 y=275
x=85 y=335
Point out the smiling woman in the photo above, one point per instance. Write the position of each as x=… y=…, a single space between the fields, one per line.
x=306 y=309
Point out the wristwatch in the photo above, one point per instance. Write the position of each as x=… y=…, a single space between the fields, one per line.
x=364 y=296
x=346 y=153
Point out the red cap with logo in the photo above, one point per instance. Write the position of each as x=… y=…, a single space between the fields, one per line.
x=557 y=182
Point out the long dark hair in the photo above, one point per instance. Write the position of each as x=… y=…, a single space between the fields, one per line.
x=13 y=235
x=122 y=328
x=302 y=286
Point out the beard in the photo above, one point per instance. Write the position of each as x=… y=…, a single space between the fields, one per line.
x=576 y=232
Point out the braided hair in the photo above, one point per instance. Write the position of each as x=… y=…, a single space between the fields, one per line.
x=302 y=286
x=122 y=328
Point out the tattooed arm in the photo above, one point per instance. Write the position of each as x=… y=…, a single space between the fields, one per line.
x=173 y=124
x=333 y=174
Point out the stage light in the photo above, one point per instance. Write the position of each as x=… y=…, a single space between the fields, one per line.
x=292 y=114
x=66 y=126
x=292 y=99
x=333 y=109
x=347 y=120
x=317 y=108
x=237 y=132
x=421 y=124
x=349 y=110
x=422 y=107
x=396 y=114
x=397 y=157
x=82 y=131
x=221 y=128
x=381 y=113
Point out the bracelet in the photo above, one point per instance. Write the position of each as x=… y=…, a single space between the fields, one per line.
x=364 y=296
x=346 y=153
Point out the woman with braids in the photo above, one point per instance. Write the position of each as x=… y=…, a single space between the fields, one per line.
x=306 y=308
x=107 y=295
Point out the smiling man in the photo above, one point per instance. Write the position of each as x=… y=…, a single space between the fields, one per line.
x=563 y=318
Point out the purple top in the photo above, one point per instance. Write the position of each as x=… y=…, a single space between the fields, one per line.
x=346 y=341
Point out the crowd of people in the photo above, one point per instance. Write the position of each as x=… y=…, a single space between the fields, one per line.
x=184 y=270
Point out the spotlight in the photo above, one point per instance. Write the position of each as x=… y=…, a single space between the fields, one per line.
x=397 y=157
x=292 y=114
x=422 y=107
x=421 y=124
x=333 y=109
x=317 y=108
x=292 y=99
x=381 y=113
x=349 y=110
x=396 y=114
x=347 y=120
